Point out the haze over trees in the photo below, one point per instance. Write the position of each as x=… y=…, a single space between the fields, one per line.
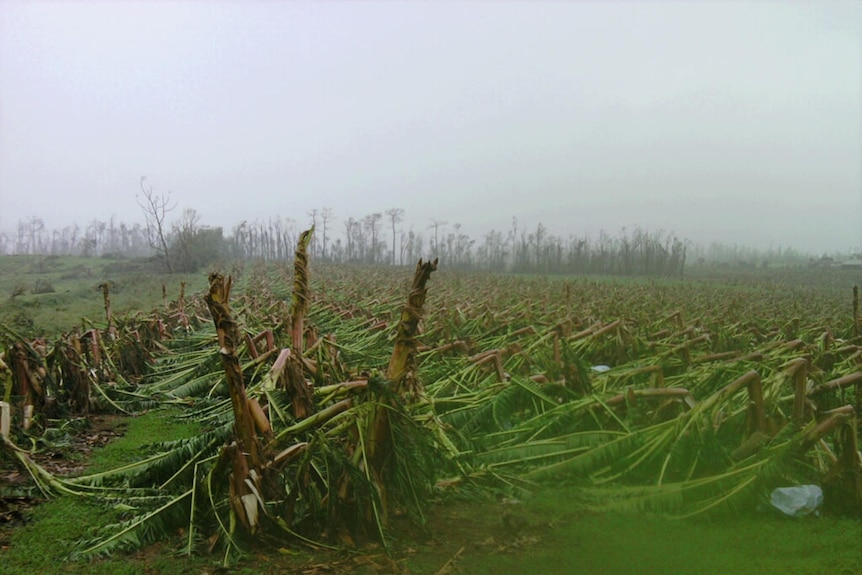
x=185 y=244
x=156 y=208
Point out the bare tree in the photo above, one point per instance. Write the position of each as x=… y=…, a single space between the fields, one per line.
x=326 y=214
x=184 y=234
x=94 y=235
x=513 y=236
x=73 y=237
x=156 y=208
x=350 y=225
x=313 y=214
x=437 y=224
x=395 y=216
x=371 y=223
x=35 y=230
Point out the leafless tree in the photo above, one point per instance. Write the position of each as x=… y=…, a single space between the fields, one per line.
x=371 y=223
x=184 y=233
x=326 y=214
x=156 y=208
x=313 y=215
x=395 y=216
x=437 y=224
x=349 y=225
x=35 y=229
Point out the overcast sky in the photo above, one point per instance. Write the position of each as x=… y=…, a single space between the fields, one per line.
x=721 y=121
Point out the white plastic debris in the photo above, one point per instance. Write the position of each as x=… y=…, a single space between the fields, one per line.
x=601 y=368
x=797 y=501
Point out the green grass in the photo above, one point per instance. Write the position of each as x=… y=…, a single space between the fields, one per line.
x=561 y=538
x=148 y=428
x=44 y=544
x=136 y=285
x=758 y=544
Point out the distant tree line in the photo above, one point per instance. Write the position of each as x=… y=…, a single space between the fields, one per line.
x=93 y=239
x=375 y=239
x=718 y=254
x=378 y=239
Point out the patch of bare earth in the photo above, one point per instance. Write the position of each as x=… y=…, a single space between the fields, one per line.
x=453 y=530
x=65 y=457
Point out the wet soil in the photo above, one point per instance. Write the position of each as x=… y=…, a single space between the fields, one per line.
x=63 y=452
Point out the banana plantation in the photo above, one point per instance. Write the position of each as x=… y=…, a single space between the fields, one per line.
x=335 y=399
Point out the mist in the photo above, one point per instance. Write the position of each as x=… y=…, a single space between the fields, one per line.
x=720 y=122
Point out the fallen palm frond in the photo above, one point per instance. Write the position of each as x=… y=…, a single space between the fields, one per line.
x=669 y=403
x=328 y=474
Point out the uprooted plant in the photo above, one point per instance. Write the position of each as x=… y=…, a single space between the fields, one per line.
x=325 y=420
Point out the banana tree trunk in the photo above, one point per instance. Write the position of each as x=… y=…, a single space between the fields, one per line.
x=402 y=364
x=246 y=453
x=300 y=392
x=401 y=373
x=843 y=483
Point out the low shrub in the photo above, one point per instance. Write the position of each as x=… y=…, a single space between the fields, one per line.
x=43 y=286
x=18 y=289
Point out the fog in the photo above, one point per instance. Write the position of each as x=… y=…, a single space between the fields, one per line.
x=738 y=122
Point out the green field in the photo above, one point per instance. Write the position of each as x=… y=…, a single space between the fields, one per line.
x=70 y=290
x=554 y=456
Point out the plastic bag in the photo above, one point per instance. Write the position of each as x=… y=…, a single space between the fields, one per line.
x=797 y=501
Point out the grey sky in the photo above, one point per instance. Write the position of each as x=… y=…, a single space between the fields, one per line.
x=731 y=121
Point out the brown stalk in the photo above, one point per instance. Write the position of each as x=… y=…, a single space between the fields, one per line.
x=401 y=372
x=494 y=357
x=718 y=356
x=585 y=332
x=608 y=328
x=524 y=330
x=261 y=421
x=299 y=300
x=798 y=371
x=246 y=453
x=656 y=369
x=293 y=379
x=840 y=383
x=75 y=374
x=252 y=349
x=675 y=317
x=181 y=307
x=28 y=371
x=94 y=348
x=106 y=297
x=756 y=408
x=403 y=361
x=459 y=345
x=834 y=419
x=843 y=482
